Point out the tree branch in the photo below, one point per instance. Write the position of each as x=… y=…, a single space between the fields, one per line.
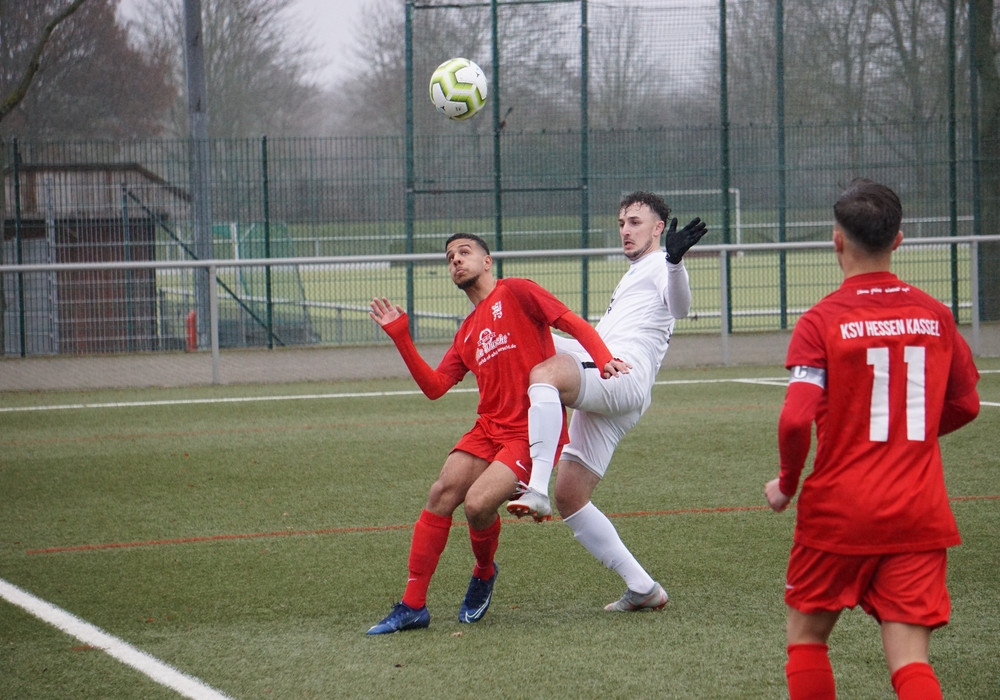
x=13 y=99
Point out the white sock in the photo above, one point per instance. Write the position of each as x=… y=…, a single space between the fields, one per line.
x=545 y=424
x=595 y=532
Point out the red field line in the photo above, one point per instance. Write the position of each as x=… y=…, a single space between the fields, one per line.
x=215 y=538
x=387 y=528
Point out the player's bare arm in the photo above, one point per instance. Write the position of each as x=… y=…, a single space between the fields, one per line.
x=383 y=312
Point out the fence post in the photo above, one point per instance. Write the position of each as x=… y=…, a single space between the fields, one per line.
x=268 y=309
x=779 y=41
x=724 y=305
x=19 y=252
x=411 y=194
x=213 y=316
x=497 y=128
x=974 y=284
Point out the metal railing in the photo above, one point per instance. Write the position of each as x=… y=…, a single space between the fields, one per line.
x=723 y=255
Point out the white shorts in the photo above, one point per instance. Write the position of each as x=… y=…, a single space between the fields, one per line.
x=603 y=413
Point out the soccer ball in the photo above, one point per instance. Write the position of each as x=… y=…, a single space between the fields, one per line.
x=458 y=88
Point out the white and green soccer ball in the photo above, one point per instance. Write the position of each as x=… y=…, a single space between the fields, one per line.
x=458 y=88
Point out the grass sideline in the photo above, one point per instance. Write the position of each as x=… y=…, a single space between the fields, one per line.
x=251 y=545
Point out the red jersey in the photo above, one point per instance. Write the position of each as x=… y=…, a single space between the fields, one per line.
x=892 y=357
x=506 y=335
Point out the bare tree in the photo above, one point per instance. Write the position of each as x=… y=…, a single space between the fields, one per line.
x=371 y=99
x=33 y=50
x=12 y=95
x=254 y=66
x=92 y=82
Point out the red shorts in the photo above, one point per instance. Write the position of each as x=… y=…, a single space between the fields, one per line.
x=908 y=587
x=485 y=441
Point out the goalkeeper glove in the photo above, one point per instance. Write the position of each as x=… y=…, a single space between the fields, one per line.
x=678 y=242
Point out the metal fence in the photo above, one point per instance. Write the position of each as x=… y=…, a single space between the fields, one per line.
x=153 y=304
x=588 y=101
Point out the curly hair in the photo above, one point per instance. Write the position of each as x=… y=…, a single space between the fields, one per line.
x=653 y=201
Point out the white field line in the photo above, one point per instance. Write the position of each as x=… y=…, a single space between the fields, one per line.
x=313 y=397
x=187 y=686
x=230 y=399
x=766 y=381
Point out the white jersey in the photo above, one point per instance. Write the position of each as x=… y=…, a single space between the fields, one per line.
x=636 y=328
x=638 y=323
x=640 y=317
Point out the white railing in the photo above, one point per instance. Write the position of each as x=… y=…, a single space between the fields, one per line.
x=722 y=251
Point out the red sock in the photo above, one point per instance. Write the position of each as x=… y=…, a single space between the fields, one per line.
x=430 y=535
x=484 y=546
x=916 y=681
x=809 y=674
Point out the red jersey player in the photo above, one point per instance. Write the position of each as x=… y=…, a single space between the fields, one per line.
x=507 y=333
x=882 y=370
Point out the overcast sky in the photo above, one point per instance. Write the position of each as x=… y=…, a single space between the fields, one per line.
x=327 y=25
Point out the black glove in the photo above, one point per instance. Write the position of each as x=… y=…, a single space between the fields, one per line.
x=678 y=242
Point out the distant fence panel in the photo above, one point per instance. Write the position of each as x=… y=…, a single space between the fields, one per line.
x=588 y=101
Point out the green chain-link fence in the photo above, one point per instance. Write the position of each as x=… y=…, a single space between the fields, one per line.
x=588 y=101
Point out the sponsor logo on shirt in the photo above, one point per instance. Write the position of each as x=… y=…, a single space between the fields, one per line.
x=492 y=344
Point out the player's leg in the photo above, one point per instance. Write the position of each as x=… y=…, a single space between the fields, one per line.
x=552 y=383
x=594 y=530
x=909 y=595
x=808 y=669
x=818 y=586
x=430 y=535
x=496 y=484
x=907 y=651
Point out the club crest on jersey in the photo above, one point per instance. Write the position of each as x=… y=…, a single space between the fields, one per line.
x=497 y=309
x=491 y=344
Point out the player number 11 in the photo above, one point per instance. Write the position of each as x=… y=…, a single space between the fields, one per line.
x=916 y=404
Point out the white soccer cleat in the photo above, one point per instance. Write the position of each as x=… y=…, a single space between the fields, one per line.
x=531 y=503
x=654 y=600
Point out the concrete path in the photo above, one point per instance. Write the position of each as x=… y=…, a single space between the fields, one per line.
x=309 y=364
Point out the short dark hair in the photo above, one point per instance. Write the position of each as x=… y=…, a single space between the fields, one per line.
x=870 y=214
x=653 y=201
x=467 y=237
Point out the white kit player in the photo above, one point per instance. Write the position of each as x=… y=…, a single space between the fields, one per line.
x=636 y=328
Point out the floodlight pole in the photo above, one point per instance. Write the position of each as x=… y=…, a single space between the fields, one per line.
x=497 y=128
x=724 y=149
x=198 y=160
x=584 y=160
x=410 y=193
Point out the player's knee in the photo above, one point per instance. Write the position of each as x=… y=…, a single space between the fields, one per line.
x=568 y=502
x=443 y=497
x=478 y=512
x=555 y=370
x=542 y=373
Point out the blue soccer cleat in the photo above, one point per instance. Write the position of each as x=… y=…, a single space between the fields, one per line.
x=402 y=617
x=478 y=597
